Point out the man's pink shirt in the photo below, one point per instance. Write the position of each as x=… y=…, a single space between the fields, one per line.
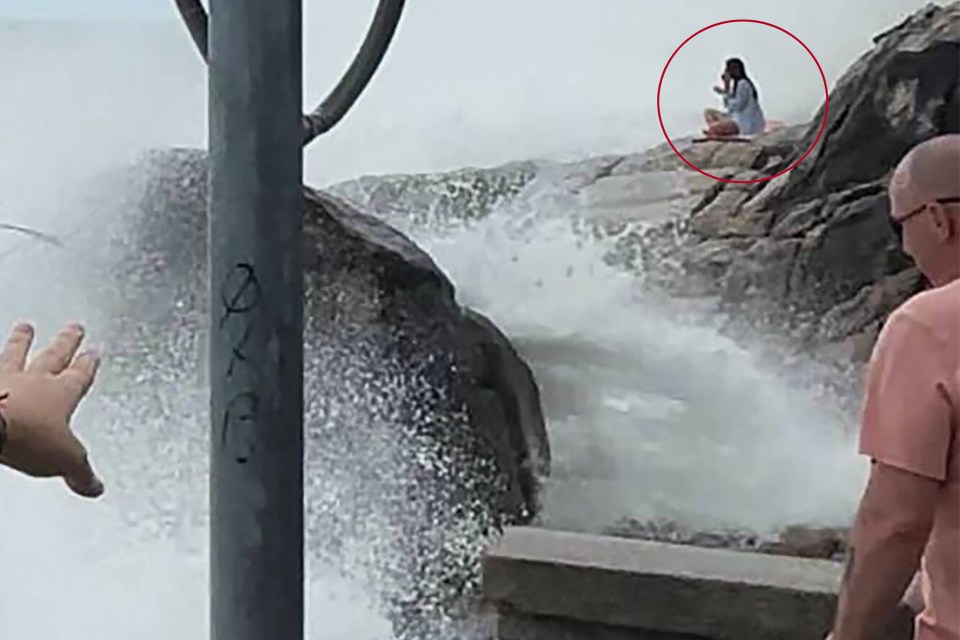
x=910 y=421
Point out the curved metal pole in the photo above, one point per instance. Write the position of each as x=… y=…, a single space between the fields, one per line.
x=195 y=17
x=358 y=75
x=339 y=101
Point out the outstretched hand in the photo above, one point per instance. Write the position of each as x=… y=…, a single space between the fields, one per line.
x=38 y=399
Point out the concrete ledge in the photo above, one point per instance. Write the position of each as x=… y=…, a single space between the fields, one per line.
x=566 y=586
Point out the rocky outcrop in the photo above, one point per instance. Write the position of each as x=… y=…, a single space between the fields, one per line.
x=410 y=313
x=905 y=90
x=431 y=199
x=465 y=361
x=816 y=242
x=824 y=543
x=424 y=426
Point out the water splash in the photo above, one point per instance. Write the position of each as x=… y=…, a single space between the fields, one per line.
x=652 y=415
x=653 y=412
x=132 y=565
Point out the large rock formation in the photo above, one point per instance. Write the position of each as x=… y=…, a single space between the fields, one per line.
x=411 y=309
x=816 y=241
x=425 y=430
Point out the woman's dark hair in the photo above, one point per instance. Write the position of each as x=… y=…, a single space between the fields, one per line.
x=737 y=71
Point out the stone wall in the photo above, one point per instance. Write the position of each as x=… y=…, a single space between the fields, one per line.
x=551 y=585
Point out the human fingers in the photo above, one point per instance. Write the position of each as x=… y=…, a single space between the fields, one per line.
x=79 y=376
x=76 y=469
x=56 y=356
x=84 y=481
x=14 y=354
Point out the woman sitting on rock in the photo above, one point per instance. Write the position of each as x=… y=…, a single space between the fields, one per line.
x=742 y=114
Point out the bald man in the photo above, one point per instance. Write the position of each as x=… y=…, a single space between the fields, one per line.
x=909 y=516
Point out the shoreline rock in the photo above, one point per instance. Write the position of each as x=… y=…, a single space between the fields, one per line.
x=424 y=432
x=824 y=543
x=821 y=245
x=407 y=299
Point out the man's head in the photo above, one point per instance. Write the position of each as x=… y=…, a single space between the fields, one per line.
x=925 y=207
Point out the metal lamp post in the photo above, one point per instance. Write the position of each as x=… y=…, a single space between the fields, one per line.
x=256 y=137
x=256 y=323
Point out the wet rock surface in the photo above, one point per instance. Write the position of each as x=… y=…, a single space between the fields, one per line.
x=424 y=428
x=410 y=304
x=463 y=195
x=823 y=543
x=823 y=247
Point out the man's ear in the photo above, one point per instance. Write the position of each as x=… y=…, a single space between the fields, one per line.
x=946 y=223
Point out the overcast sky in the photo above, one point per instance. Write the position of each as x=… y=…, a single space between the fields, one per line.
x=466 y=82
x=86 y=9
